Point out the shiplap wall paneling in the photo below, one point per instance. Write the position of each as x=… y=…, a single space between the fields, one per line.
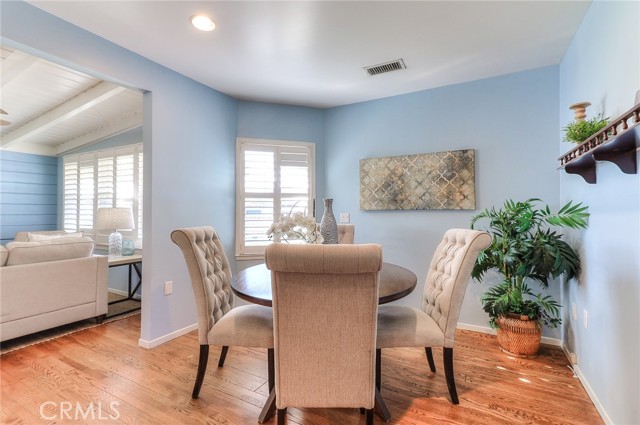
x=28 y=193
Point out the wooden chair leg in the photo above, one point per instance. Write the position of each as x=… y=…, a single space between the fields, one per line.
x=378 y=367
x=271 y=368
x=223 y=355
x=202 y=368
x=282 y=414
x=447 y=354
x=432 y=365
x=380 y=407
x=269 y=408
x=369 y=417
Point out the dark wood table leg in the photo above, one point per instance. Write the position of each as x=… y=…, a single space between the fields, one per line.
x=381 y=408
x=269 y=409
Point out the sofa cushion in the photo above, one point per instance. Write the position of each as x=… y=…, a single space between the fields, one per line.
x=51 y=250
x=24 y=236
x=4 y=254
x=37 y=237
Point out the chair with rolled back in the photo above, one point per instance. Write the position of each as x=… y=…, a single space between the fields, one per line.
x=218 y=322
x=346 y=233
x=434 y=325
x=325 y=301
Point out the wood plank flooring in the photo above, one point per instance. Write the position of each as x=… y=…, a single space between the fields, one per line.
x=100 y=375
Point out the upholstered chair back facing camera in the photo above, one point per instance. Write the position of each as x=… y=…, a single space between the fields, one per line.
x=219 y=323
x=434 y=325
x=325 y=302
x=346 y=233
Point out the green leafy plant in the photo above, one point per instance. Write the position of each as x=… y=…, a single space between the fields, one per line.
x=579 y=131
x=526 y=248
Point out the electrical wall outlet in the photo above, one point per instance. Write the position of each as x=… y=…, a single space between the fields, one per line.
x=574 y=358
x=168 y=288
x=344 y=218
x=585 y=319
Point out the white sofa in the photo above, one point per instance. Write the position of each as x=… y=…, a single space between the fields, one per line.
x=48 y=283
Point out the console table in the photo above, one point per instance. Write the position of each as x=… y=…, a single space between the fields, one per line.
x=134 y=262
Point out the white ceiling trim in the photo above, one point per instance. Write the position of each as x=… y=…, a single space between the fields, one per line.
x=33 y=148
x=68 y=110
x=102 y=133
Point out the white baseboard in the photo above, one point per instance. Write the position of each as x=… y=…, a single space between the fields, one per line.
x=551 y=341
x=476 y=328
x=487 y=330
x=585 y=384
x=123 y=293
x=168 y=337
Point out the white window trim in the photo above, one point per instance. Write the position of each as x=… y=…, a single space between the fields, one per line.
x=257 y=253
x=101 y=236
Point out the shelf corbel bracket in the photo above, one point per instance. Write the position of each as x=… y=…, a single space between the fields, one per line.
x=621 y=151
x=585 y=167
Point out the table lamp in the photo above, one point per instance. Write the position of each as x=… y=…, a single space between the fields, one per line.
x=115 y=219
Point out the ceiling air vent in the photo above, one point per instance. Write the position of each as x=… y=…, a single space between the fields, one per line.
x=395 y=65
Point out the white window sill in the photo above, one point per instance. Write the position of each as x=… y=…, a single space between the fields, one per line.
x=249 y=257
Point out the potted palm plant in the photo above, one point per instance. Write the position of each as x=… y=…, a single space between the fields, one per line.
x=526 y=248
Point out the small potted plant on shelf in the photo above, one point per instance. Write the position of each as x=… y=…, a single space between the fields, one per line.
x=525 y=248
x=580 y=130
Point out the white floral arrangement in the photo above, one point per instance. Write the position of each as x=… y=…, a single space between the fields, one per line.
x=296 y=225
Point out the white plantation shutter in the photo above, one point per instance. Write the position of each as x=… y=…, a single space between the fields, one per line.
x=103 y=179
x=273 y=178
x=259 y=207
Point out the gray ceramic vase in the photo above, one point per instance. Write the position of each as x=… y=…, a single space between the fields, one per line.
x=328 y=225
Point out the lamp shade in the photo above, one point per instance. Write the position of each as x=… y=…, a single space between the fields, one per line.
x=115 y=219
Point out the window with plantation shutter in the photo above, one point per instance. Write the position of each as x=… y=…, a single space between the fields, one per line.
x=103 y=179
x=272 y=178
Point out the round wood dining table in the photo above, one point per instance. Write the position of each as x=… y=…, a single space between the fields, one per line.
x=254 y=284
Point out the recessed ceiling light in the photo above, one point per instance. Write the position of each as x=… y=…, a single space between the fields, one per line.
x=202 y=22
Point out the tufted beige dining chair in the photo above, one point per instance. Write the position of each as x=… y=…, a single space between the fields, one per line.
x=325 y=303
x=346 y=233
x=218 y=322
x=435 y=324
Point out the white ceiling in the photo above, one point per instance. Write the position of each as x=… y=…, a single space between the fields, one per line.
x=309 y=53
x=313 y=52
x=51 y=109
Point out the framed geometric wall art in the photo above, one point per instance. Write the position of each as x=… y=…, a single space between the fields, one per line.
x=430 y=181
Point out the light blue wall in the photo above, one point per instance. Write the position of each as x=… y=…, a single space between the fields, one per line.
x=189 y=132
x=285 y=122
x=513 y=122
x=510 y=121
x=602 y=66
x=28 y=192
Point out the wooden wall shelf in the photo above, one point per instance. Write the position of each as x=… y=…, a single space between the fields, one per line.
x=617 y=143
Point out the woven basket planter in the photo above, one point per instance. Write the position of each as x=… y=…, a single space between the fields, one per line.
x=518 y=335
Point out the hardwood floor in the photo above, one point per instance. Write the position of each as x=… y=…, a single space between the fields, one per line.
x=100 y=375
